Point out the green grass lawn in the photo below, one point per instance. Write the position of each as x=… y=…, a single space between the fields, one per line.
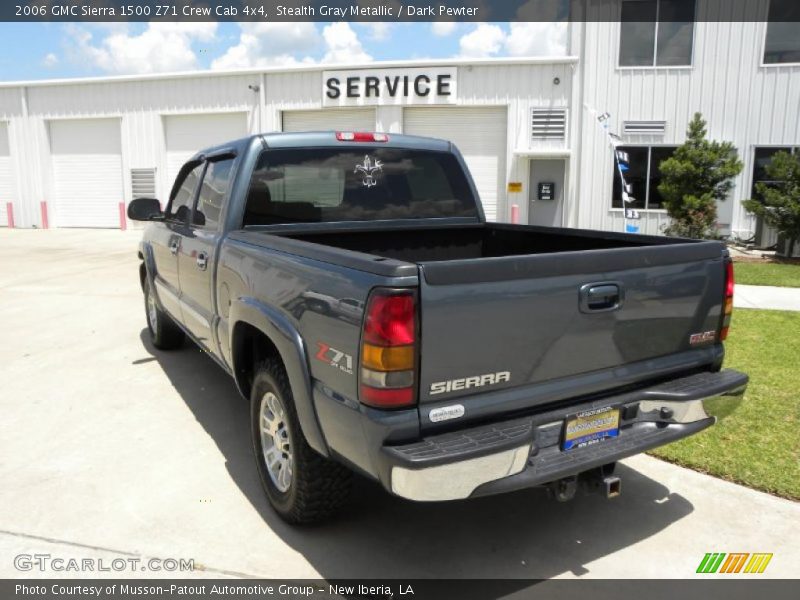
x=782 y=275
x=758 y=445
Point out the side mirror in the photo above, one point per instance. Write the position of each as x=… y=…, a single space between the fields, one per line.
x=144 y=209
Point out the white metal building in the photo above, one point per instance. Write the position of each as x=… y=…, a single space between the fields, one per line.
x=71 y=151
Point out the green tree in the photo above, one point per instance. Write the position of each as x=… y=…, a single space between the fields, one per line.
x=698 y=175
x=779 y=201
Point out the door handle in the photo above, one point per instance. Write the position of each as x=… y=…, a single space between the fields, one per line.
x=202 y=261
x=174 y=245
x=600 y=297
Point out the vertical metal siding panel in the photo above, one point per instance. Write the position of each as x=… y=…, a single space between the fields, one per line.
x=8 y=193
x=743 y=103
x=9 y=103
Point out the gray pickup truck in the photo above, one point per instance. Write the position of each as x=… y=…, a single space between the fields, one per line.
x=376 y=322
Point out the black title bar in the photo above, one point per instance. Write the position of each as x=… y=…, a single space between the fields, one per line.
x=734 y=588
x=361 y=10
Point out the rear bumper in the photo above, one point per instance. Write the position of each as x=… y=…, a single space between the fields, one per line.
x=526 y=452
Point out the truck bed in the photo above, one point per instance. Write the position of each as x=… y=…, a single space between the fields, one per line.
x=463 y=242
x=531 y=302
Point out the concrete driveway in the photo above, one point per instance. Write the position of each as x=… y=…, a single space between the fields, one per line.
x=109 y=448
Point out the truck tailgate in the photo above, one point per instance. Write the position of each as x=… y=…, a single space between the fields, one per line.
x=580 y=321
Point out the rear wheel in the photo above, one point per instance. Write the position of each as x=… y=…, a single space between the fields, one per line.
x=301 y=485
x=164 y=333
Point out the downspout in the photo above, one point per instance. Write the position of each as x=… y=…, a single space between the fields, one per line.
x=577 y=141
x=262 y=102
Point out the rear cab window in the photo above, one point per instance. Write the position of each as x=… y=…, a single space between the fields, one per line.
x=312 y=185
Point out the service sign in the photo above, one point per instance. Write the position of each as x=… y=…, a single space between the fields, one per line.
x=371 y=87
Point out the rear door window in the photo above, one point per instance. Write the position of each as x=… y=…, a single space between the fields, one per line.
x=355 y=184
x=213 y=192
x=180 y=206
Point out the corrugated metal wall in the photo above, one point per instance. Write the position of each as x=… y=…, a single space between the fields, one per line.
x=143 y=104
x=140 y=105
x=743 y=102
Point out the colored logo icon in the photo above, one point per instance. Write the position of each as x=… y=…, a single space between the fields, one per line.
x=735 y=562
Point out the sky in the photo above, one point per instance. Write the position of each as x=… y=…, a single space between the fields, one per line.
x=31 y=51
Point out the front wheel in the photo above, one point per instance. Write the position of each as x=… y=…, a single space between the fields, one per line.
x=164 y=333
x=301 y=485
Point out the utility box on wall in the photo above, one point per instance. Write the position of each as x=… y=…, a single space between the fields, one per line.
x=546 y=190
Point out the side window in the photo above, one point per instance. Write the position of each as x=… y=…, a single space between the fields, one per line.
x=643 y=175
x=213 y=192
x=783 y=33
x=656 y=33
x=180 y=206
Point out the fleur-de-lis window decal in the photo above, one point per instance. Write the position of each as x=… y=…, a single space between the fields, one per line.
x=369 y=171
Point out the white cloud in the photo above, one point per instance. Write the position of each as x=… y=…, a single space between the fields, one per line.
x=522 y=39
x=160 y=47
x=537 y=39
x=270 y=44
x=343 y=44
x=484 y=41
x=378 y=31
x=50 y=60
x=443 y=28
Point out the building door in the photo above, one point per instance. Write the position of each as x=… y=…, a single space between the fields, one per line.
x=87 y=172
x=186 y=135
x=334 y=119
x=480 y=135
x=546 y=191
x=7 y=188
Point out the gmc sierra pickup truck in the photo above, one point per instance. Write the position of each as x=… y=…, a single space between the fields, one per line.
x=376 y=322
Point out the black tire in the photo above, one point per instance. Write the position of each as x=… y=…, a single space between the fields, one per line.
x=164 y=333
x=318 y=487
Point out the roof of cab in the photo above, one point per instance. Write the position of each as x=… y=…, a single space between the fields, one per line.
x=328 y=138
x=317 y=139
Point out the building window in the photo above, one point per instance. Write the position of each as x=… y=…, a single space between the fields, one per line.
x=783 y=32
x=656 y=33
x=763 y=156
x=643 y=175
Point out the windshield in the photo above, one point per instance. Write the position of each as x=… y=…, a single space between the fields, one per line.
x=313 y=185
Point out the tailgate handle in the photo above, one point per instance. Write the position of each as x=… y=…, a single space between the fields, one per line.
x=600 y=297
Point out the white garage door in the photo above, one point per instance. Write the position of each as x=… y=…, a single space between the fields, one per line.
x=87 y=172
x=338 y=119
x=187 y=134
x=480 y=135
x=6 y=177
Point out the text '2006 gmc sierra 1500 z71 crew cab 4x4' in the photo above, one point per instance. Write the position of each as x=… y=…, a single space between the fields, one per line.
x=351 y=285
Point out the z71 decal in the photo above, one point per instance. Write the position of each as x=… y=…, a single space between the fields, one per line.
x=335 y=358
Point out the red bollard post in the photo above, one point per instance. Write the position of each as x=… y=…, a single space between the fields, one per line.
x=45 y=222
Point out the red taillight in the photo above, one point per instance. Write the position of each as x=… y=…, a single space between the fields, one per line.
x=729 y=279
x=388 y=349
x=387 y=397
x=727 y=303
x=390 y=320
x=361 y=136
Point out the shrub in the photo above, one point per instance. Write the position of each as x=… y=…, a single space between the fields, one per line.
x=694 y=179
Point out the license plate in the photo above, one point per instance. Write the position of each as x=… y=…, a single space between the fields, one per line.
x=590 y=426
